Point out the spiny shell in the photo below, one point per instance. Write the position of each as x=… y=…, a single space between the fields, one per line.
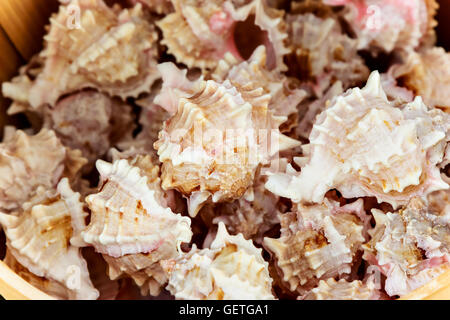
x=44 y=238
x=321 y=53
x=317 y=242
x=28 y=162
x=427 y=74
x=208 y=147
x=90 y=121
x=51 y=287
x=113 y=51
x=389 y=24
x=200 y=33
x=232 y=268
x=409 y=247
x=129 y=213
x=253 y=72
x=331 y=289
x=370 y=148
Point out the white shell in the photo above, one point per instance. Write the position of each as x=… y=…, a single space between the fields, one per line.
x=44 y=239
x=409 y=247
x=129 y=213
x=232 y=268
x=364 y=146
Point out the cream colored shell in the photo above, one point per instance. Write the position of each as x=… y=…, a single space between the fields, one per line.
x=317 y=242
x=29 y=162
x=129 y=213
x=232 y=268
x=253 y=72
x=219 y=133
x=410 y=247
x=331 y=289
x=108 y=49
x=44 y=238
x=321 y=53
x=364 y=146
x=200 y=33
x=427 y=74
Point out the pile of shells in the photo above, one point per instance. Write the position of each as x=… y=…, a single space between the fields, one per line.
x=229 y=149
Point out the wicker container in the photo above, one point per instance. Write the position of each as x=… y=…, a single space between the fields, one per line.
x=21 y=30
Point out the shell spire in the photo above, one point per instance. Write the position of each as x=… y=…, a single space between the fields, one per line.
x=371 y=148
x=220 y=133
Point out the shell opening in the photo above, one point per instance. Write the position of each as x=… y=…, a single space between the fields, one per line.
x=248 y=36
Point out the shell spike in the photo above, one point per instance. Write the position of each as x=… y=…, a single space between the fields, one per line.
x=7 y=220
x=374 y=85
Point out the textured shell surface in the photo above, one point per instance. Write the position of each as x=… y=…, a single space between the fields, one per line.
x=217 y=136
x=130 y=214
x=232 y=268
x=410 y=247
x=157 y=6
x=18 y=89
x=427 y=73
x=317 y=242
x=90 y=121
x=28 y=162
x=389 y=25
x=200 y=33
x=331 y=289
x=321 y=53
x=284 y=99
x=110 y=50
x=252 y=215
x=370 y=148
x=45 y=239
